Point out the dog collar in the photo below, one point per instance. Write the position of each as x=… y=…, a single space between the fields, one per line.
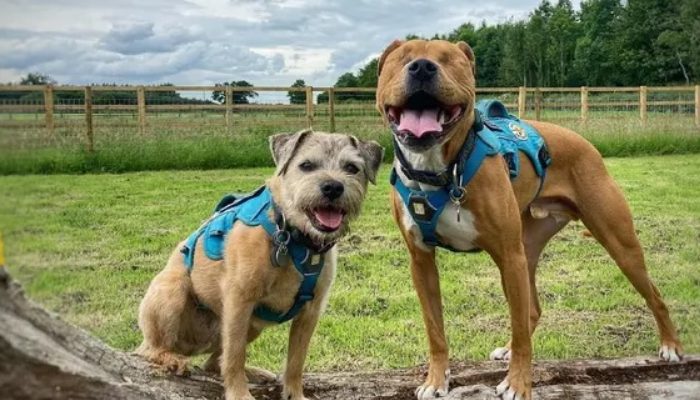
x=450 y=176
x=298 y=236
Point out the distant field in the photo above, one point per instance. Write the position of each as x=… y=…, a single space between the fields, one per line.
x=200 y=139
x=86 y=246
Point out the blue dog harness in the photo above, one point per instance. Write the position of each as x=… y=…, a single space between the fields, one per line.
x=253 y=210
x=495 y=131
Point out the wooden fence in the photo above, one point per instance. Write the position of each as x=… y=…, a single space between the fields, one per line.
x=530 y=101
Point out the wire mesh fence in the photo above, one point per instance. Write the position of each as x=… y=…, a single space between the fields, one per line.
x=97 y=116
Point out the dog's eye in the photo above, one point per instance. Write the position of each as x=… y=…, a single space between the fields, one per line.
x=351 y=168
x=307 y=166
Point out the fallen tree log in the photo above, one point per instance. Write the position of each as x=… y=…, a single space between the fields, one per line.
x=42 y=357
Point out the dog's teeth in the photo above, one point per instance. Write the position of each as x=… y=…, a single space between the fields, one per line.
x=441 y=117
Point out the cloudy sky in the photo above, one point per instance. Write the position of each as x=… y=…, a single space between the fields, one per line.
x=266 y=42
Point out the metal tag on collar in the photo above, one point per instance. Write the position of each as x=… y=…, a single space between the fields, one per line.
x=457 y=193
x=280 y=254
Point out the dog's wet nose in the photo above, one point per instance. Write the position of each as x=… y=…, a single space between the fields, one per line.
x=422 y=69
x=332 y=189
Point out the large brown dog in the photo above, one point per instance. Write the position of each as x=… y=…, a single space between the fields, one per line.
x=426 y=93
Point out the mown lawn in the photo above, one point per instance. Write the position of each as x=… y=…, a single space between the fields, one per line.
x=86 y=246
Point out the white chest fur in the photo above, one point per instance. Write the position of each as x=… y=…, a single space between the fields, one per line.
x=460 y=235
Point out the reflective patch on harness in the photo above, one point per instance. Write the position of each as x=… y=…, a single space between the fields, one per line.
x=518 y=131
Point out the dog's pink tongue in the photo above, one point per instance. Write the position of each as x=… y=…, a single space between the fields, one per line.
x=420 y=122
x=329 y=217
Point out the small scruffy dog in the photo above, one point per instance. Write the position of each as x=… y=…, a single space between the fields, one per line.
x=260 y=260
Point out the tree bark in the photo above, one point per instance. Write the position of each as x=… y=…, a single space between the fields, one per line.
x=42 y=357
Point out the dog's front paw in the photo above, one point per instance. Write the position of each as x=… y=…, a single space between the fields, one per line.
x=513 y=388
x=239 y=395
x=670 y=352
x=173 y=363
x=500 y=354
x=289 y=393
x=260 y=376
x=436 y=385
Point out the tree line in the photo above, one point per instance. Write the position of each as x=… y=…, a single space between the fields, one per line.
x=606 y=43
x=98 y=97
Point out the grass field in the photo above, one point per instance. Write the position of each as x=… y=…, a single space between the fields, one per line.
x=86 y=247
x=199 y=140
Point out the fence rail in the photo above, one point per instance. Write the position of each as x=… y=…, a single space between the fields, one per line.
x=348 y=105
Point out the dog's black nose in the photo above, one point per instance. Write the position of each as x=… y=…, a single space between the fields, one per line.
x=332 y=189
x=422 y=69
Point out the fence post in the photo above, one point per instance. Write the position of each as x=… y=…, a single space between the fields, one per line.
x=697 y=106
x=309 y=107
x=331 y=108
x=584 y=103
x=229 y=108
x=522 y=99
x=538 y=104
x=88 y=119
x=48 y=108
x=141 y=102
x=643 y=104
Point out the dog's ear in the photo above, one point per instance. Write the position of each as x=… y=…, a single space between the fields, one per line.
x=284 y=145
x=393 y=46
x=467 y=50
x=372 y=153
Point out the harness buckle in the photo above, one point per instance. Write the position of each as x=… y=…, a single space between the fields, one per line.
x=420 y=208
x=305 y=297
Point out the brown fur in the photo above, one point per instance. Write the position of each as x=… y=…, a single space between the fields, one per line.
x=174 y=328
x=513 y=226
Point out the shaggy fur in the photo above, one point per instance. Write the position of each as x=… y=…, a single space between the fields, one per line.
x=174 y=328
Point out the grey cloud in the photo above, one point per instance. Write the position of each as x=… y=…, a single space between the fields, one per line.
x=22 y=54
x=185 y=42
x=141 y=38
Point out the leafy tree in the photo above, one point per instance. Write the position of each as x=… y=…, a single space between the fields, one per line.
x=563 y=29
x=348 y=79
x=596 y=56
x=367 y=76
x=239 y=97
x=34 y=78
x=297 y=97
x=514 y=68
x=690 y=22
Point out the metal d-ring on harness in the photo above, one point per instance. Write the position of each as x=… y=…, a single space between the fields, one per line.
x=289 y=246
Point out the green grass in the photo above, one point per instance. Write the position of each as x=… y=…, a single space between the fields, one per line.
x=200 y=141
x=86 y=246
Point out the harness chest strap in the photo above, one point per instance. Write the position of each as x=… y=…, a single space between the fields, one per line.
x=426 y=206
x=253 y=210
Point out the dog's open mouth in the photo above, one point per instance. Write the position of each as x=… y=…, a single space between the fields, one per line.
x=422 y=115
x=327 y=219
